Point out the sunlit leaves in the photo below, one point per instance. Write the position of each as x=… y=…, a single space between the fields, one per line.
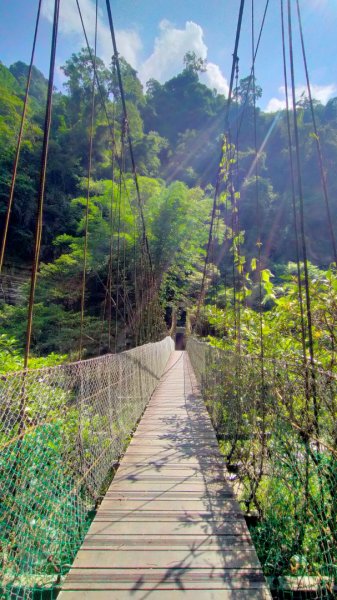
x=266 y=274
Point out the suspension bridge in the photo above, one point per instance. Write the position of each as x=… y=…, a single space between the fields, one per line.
x=121 y=475
x=169 y=525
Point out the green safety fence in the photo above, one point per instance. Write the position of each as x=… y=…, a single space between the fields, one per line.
x=62 y=429
x=277 y=427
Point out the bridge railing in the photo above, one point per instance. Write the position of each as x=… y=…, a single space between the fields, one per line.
x=277 y=428
x=62 y=430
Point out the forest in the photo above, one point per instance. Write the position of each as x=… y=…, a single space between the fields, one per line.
x=176 y=131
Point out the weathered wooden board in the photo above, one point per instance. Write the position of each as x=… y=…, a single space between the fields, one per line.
x=156 y=592
x=169 y=525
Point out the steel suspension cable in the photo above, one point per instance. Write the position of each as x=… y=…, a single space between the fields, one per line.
x=111 y=237
x=237 y=211
x=218 y=177
x=333 y=241
x=93 y=62
x=234 y=222
x=234 y=255
x=299 y=279
x=86 y=226
x=112 y=219
x=134 y=170
x=317 y=139
x=302 y=227
x=107 y=306
x=293 y=192
x=124 y=253
x=103 y=103
x=254 y=60
x=119 y=233
x=19 y=142
x=99 y=84
x=257 y=196
x=259 y=245
x=42 y=182
x=125 y=294
x=134 y=326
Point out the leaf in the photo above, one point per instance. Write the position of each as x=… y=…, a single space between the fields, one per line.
x=222 y=198
x=266 y=274
x=253 y=264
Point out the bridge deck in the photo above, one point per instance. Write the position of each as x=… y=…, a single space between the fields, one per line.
x=169 y=525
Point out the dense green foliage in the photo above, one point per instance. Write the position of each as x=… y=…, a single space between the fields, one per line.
x=176 y=129
x=177 y=135
x=284 y=477
x=281 y=321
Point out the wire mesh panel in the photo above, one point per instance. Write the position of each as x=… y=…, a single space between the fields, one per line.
x=277 y=426
x=62 y=430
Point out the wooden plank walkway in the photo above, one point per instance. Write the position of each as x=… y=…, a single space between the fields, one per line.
x=169 y=526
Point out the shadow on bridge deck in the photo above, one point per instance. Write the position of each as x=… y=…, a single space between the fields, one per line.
x=169 y=525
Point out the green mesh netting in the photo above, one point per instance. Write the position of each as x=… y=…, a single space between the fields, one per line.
x=280 y=444
x=43 y=515
x=61 y=431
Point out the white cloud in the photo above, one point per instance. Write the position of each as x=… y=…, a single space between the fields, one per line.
x=214 y=79
x=69 y=21
x=322 y=93
x=128 y=41
x=170 y=47
x=275 y=104
x=129 y=45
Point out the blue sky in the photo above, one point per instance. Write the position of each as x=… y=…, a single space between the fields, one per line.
x=155 y=34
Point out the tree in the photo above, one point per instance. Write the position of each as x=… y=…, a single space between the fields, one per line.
x=247 y=91
x=79 y=72
x=38 y=85
x=153 y=88
x=133 y=89
x=194 y=63
x=147 y=151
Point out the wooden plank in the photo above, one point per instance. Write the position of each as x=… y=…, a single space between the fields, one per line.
x=186 y=541
x=174 y=475
x=160 y=461
x=179 y=473
x=161 y=483
x=169 y=524
x=164 y=594
x=168 y=493
x=160 y=468
x=233 y=558
x=151 y=578
x=148 y=515
x=173 y=527
x=183 y=506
